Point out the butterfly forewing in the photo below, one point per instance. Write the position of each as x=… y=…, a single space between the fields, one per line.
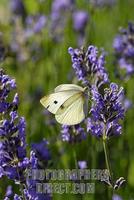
x=64 y=87
x=54 y=101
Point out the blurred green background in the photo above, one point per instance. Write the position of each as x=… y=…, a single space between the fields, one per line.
x=47 y=65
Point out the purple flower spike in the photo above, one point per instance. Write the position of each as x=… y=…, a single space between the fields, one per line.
x=39 y=25
x=82 y=164
x=60 y=6
x=80 y=19
x=106 y=111
x=116 y=197
x=18 y=8
x=89 y=66
x=13 y=160
x=9 y=192
x=123 y=45
x=34 y=24
x=72 y=134
x=41 y=150
x=60 y=12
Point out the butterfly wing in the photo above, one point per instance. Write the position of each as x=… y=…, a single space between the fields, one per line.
x=64 y=87
x=54 y=101
x=73 y=112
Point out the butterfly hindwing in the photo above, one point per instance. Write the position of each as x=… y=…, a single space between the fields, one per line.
x=73 y=114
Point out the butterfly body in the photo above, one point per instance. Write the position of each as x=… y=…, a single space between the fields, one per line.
x=67 y=103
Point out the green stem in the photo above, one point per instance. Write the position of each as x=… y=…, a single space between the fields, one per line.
x=107 y=158
x=21 y=186
x=110 y=192
x=75 y=159
x=76 y=167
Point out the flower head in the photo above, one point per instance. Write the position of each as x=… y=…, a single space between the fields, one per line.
x=42 y=155
x=89 y=66
x=80 y=19
x=2 y=48
x=9 y=192
x=13 y=160
x=34 y=24
x=59 y=7
x=124 y=51
x=12 y=131
x=18 y=8
x=60 y=13
x=73 y=134
x=106 y=111
x=116 y=197
x=82 y=164
x=39 y=157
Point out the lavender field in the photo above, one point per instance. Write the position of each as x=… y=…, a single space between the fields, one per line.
x=80 y=143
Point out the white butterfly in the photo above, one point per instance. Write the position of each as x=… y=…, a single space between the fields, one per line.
x=68 y=103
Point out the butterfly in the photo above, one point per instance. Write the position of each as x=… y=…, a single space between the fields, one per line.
x=68 y=103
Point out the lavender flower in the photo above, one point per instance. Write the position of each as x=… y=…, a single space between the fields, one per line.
x=39 y=25
x=2 y=48
x=9 y=192
x=12 y=131
x=42 y=155
x=73 y=134
x=17 y=197
x=89 y=66
x=106 y=112
x=34 y=24
x=2 y=52
x=82 y=164
x=60 y=12
x=6 y=198
x=124 y=51
x=18 y=8
x=127 y=104
x=59 y=7
x=18 y=42
x=21 y=45
x=116 y=197
x=80 y=19
x=35 y=163
x=13 y=160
